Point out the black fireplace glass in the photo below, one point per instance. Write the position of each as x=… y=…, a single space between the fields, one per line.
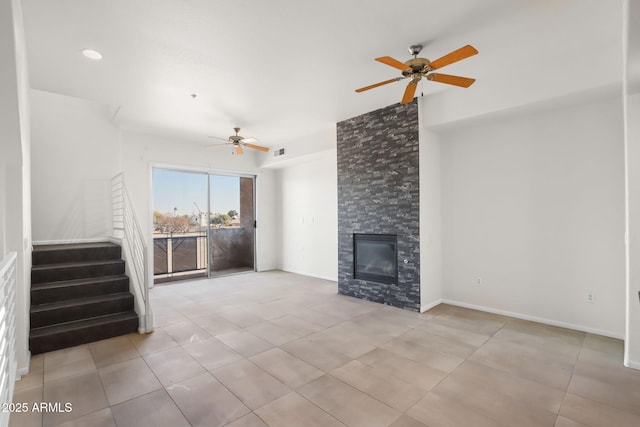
x=375 y=257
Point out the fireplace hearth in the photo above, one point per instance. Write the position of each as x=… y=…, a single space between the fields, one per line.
x=375 y=258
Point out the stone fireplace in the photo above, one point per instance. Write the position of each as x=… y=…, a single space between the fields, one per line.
x=379 y=195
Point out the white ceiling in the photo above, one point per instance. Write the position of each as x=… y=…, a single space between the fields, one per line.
x=285 y=69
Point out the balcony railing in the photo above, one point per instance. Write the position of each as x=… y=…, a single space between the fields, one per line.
x=179 y=253
x=179 y=256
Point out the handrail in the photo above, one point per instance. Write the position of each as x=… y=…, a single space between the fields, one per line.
x=8 y=363
x=126 y=227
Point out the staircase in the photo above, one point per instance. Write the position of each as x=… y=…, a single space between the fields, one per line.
x=79 y=294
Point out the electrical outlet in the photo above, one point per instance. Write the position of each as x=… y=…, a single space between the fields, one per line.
x=479 y=281
x=591 y=298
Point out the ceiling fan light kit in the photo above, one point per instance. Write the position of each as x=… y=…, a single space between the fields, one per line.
x=417 y=68
x=238 y=142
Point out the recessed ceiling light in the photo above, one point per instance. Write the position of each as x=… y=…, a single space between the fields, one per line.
x=92 y=54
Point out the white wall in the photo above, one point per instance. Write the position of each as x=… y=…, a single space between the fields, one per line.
x=301 y=149
x=141 y=152
x=632 y=145
x=15 y=203
x=533 y=205
x=632 y=339
x=267 y=232
x=75 y=153
x=309 y=216
x=430 y=216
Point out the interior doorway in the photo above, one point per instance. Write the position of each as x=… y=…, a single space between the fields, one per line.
x=203 y=224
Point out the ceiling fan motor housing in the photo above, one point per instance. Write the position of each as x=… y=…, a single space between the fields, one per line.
x=236 y=138
x=239 y=141
x=418 y=66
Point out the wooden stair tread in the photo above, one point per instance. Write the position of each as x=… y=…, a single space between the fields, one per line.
x=77 y=282
x=80 y=301
x=76 y=264
x=71 y=246
x=82 y=324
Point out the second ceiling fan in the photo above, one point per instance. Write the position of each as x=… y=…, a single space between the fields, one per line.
x=417 y=68
x=238 y=142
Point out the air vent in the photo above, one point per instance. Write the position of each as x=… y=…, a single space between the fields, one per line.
x=278 y=153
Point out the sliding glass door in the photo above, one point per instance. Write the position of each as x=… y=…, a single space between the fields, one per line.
x=204 y=224
x=179 y=226
x=232 y=231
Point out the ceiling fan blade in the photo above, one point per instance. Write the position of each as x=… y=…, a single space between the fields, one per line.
x=362 y=89
x=409 y=92
x=455 y=56
x=217 y=145
x=256 y=147
x=393 y=62
x=451 y=80
x=221 y=139
x=238 y=149
x=250 y=139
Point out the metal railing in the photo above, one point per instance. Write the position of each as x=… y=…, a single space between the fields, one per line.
x=8 y=362
x=180 y=253
x=126 y=228
x=224 y=250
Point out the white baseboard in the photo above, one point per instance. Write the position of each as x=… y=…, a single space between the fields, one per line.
x=317 y=276
x=565 y=325
x=429 y=306
x=72 y=241
x=25 y=369
x=21 y=371
x=632 y=364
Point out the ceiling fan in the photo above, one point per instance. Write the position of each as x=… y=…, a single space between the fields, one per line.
x=417 y=68
x=238 y=142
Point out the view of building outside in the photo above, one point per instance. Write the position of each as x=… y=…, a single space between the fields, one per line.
x=198 y=224
x=180 y=202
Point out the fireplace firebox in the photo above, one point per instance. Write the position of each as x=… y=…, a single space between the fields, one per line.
x=375 y=258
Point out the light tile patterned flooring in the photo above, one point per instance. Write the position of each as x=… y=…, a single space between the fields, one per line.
x=279 y=349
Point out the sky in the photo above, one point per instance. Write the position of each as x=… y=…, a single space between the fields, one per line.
x=181 y=189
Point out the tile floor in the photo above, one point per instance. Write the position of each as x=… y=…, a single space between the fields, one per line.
x=278 y=349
